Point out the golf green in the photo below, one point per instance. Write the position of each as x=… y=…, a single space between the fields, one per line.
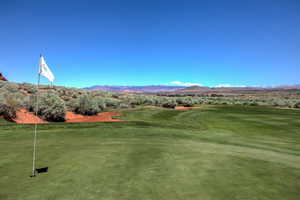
x=217 y=152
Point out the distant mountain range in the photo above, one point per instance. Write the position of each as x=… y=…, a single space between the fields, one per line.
x=185 y=89
x=136 y=89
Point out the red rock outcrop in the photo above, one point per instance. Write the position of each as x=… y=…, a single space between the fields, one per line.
x=2 y=78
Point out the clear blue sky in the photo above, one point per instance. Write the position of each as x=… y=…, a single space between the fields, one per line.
x=142 y=42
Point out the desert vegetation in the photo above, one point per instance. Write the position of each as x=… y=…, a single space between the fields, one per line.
x=55 y=101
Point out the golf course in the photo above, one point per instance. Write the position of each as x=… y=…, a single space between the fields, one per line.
x=212 y=153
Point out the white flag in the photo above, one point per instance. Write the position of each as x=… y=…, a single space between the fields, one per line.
x=44 y=70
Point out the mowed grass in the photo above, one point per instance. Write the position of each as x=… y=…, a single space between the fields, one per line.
x=218 y=152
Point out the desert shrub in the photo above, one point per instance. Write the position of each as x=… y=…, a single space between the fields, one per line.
x=8 y=105
x=131 y=99
x=146 y=100
x=30 y=103
x=290 y=103
x=30 y=88
x=51 y=107
x=115 y=95
x=124 y=105
x=297 y=105
x=149 y=100
x=63 y=92
x=261 y=103
x=66 y=98
x=15 y=99
x=157 y=101
x=98 y=93
x=75 y=92
x=278 y=102
x=187 y=102
x=101 y=102
x=72 y=104
x=169 y=103
x=179 y=100
x=2 y=99
x=11 y=87
x=11 y=100
x=138 y=100
x=69 y=93
x=87 y=105
x=2 y=83
x=253 y=103
x=111 y=102
x=8 y=111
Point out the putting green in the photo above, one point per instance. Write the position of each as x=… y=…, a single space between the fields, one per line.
x=218 y=152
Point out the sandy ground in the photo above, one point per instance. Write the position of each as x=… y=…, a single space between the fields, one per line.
x=25 y=117
x=101 y=117
x=185 y=108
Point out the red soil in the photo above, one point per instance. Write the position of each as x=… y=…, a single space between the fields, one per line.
x=25 y=117
x=185 y=108
x=101 y=117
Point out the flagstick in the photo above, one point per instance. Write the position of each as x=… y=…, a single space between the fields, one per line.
x=35 y=128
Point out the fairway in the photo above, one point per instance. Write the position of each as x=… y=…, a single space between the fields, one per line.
x=212 y=153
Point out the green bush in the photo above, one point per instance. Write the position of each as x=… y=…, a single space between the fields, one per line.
x=87 y=105
x=51 y=107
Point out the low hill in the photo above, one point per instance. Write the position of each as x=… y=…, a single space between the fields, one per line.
x=135 y=89
x=235 y=91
